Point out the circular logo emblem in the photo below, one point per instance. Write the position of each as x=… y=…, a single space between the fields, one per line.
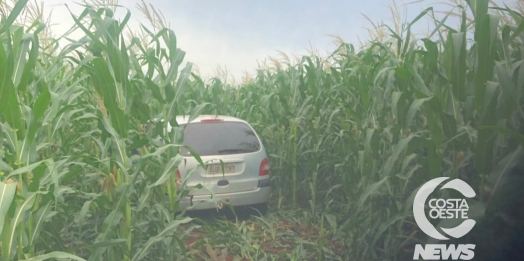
x=441 y=208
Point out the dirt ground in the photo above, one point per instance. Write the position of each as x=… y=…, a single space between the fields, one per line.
x=281 y=235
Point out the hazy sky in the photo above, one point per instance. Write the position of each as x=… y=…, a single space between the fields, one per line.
x=237 y=34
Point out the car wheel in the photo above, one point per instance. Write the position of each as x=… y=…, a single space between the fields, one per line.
x=262 y=208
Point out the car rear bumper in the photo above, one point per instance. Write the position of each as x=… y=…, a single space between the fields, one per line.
x=244 y=198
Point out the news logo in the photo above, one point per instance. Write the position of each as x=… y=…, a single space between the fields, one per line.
x=443 y=209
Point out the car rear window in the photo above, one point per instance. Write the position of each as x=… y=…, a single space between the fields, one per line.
x=220 y=138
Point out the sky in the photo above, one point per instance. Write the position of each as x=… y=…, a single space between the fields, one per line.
x=237 y=35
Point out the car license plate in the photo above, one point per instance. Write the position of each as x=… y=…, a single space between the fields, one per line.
x=217 y=169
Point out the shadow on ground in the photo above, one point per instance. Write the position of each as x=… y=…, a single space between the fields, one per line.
x=230 y=214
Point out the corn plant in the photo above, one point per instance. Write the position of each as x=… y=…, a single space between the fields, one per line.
x=359 y=136
x=82 y=178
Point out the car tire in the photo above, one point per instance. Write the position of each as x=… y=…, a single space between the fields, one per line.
x=261 y=209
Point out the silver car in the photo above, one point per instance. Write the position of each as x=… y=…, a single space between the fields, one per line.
x=237 y=167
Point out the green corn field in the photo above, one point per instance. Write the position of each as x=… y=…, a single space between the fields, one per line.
x=351 y=138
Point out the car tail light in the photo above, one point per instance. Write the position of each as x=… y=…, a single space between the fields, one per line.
x=264 y=167
x=211 y=120
x=178 y=174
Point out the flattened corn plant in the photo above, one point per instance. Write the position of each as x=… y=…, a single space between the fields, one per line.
x=350 y=143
